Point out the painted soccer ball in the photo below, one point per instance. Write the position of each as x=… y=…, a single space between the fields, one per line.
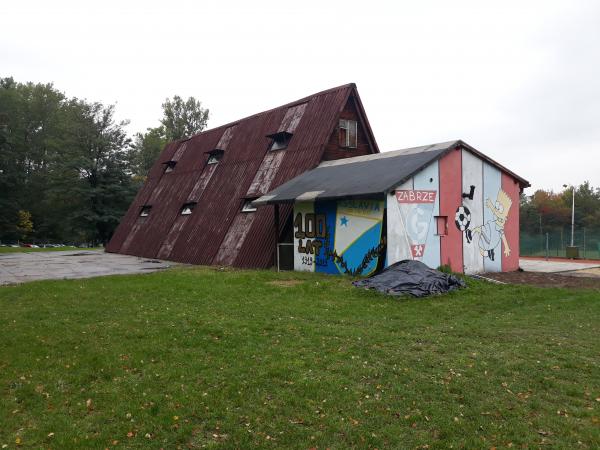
x=462 y=219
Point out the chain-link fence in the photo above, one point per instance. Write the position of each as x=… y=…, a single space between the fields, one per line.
x=554 y=242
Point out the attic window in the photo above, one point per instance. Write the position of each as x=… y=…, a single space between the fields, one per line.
x=348 y=133
x=215 y=156
x=248 y=206
x=187 y=208
x=170 y=166
x=280 y=140
x=145 y=211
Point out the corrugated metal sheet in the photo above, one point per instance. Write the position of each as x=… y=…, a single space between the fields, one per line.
x=217 y=232
x=356 y=177
x=366 y=175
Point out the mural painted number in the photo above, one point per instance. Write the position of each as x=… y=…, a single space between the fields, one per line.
x=307 y=260
x=313 y=226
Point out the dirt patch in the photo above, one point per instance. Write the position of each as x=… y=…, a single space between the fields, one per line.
x=594 y=272
x=557 y=280
x=285 y=283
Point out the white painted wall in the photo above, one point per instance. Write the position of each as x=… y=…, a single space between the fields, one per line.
x=492 y=183
x=398 y=247
x=428 y=179
x=302 y=261
x=472 y=170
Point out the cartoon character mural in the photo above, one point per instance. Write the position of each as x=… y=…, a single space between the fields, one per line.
x=342 y=236
x=491 y=233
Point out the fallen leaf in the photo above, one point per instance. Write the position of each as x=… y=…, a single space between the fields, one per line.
x=89 y=405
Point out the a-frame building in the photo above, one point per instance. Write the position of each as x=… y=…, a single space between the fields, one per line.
x=195 y=206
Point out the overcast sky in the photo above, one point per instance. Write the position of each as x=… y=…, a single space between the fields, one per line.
x=518 y=80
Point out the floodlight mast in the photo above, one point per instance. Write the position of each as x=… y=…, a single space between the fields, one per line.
x=572 y=217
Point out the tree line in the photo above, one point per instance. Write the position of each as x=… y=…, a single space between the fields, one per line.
x=68 y=169
x=548 y=211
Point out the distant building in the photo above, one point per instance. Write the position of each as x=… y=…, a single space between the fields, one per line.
x=304 y=187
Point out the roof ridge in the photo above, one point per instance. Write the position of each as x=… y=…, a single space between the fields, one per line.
x=285 y=105
x=391 y=153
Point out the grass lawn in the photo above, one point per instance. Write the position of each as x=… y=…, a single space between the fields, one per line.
x=49 y=249
x=197 y=357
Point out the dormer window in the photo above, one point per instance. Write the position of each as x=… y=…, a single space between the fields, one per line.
x=187 y=208
x=215 y=156
x=248 y=206
x=280 y=140
x=145 y=211
x=348 y=133
x=170 y=166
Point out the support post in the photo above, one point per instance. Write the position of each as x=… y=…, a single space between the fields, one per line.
x=276 y=225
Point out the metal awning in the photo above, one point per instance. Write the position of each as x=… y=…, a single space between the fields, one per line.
x=356 y=177
x=367 y=175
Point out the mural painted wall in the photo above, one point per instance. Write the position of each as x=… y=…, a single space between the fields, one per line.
x=343 y=236
x=488 y=217
x=412 y=211
x=460 y=211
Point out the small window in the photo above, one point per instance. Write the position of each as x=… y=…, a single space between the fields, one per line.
x=215 y=156
x=145 y=211
x=187 y=208
x=348 y=133
x=441 y=223
x=280 y=140
x=170 y=166
x=248 y=206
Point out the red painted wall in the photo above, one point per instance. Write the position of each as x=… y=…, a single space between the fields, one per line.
x=511 y=228
x=451 y=245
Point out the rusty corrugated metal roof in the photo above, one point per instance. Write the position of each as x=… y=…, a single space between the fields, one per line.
x=218 y=232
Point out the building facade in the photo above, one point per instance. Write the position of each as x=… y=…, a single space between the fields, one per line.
x=195 y=206
x=303 y=186
x=445 y=205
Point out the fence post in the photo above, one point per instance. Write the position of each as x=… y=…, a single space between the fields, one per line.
x=562 y=242
x=583 y=242
x=547 y=246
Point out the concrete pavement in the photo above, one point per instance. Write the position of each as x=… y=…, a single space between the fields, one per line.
x=31 y=266
x=543 y=266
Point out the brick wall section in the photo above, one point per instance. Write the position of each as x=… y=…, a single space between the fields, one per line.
x=333 y=149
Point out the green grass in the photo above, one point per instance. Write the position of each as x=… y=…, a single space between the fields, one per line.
x=29 y=249
x=198 y=357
